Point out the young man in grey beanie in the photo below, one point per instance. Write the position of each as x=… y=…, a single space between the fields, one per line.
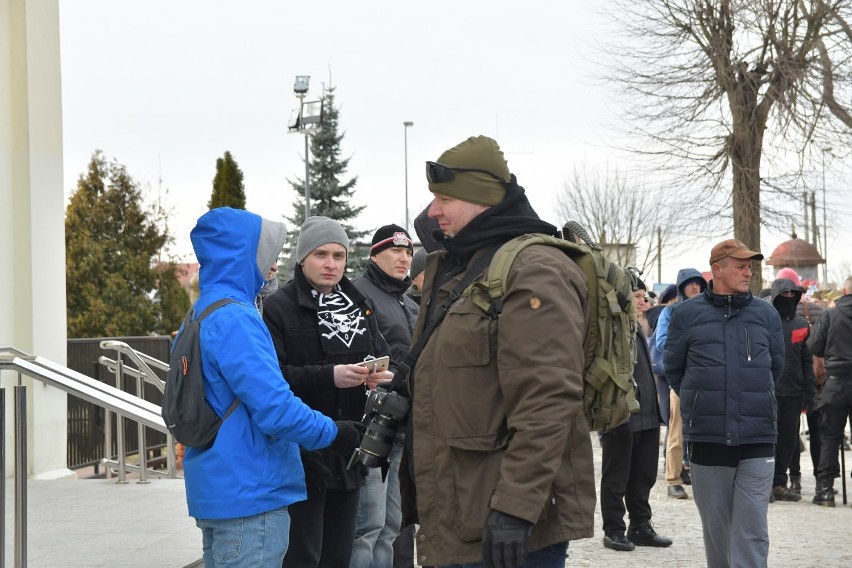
x=322 y=328
x=501 y=452
x=384 y=285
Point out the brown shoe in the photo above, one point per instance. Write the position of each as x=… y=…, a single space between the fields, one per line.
x=781 y=493
x=677 y=492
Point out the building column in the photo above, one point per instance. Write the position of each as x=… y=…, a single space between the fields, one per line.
x=32 y=219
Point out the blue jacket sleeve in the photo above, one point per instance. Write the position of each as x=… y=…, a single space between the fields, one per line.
x=674 y=354
x=663 y=328
x=238 y=350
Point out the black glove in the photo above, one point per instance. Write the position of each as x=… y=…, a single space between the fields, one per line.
x=317 y=475
x=348 y=438
x=505 y=540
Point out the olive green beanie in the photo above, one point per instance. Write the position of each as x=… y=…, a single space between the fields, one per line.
x=480 y=152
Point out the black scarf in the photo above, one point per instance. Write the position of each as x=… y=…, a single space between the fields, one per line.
x=512 y=217
x=342 y=325
x=393 y=286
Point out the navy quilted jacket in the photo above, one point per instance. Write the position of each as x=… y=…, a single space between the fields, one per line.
x=724 y=355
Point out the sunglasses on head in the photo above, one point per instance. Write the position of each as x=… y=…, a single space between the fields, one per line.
x=439 y=173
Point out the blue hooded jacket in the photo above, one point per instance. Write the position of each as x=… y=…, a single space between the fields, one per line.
x=661 y=332
x=254 y=465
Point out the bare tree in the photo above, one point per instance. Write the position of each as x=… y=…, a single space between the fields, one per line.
x=720 y=88
x=617 y=210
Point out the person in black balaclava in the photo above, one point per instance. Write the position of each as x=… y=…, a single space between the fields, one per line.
x=797 y=387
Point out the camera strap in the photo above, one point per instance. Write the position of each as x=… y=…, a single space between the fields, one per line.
x=400 y=378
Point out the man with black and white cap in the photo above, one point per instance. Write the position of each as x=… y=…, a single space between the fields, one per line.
x=322 y=328
x=384 y=285
x=502 y=457
x=724 y=357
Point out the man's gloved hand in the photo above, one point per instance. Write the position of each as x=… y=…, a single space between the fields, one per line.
x=349 y=434
x=505 y=540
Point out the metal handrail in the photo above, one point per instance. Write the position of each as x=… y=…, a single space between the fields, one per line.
x=89 y=389
x=144 y=363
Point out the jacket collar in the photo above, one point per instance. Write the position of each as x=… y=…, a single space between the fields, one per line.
x=388 y=284
x=732 y=301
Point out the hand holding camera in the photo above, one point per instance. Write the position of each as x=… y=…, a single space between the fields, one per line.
x=349 y=434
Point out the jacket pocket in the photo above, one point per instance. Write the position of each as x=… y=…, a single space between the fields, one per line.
x=464 y=336
x=475 y=466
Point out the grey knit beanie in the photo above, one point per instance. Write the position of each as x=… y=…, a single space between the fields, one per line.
x=418 y=263
x=319 y=231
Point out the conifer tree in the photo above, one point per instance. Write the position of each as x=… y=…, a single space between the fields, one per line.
x=111 y=241
x=228 y=190
x=330 y=195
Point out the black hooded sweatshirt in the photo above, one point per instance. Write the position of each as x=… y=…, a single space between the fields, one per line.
x=798 y=378
x=832 y=338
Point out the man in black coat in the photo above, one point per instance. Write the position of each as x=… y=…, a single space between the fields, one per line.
x=796 y=390
x=384 y=285
x=630 y=454
x=832 y=339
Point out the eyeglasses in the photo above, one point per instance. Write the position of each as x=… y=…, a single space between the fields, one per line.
x=439 y=173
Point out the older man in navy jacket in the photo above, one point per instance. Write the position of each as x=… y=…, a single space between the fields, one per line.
x=724 y=357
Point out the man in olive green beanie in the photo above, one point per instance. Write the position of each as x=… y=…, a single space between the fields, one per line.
x=496 y=404
x=481 y=176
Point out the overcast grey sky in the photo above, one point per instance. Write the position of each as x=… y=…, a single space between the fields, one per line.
x=166 y=87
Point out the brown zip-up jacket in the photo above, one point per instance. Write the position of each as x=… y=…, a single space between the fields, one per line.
x=498 y=415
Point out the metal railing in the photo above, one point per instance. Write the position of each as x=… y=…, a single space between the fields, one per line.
x=125 y=405
x=143 y=374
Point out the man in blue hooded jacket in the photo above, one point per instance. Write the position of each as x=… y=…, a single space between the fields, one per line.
x=724 y=357
x=690 y=283
x=239 y=489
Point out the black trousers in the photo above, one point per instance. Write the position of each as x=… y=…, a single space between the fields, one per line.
x=789 y=410
x=322 y=529
x=837 y=399
x=628 y=472
x=403 y=548
x=814 y=444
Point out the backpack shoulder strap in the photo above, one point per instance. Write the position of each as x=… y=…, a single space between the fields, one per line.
x=494 y=283
x=213 y=307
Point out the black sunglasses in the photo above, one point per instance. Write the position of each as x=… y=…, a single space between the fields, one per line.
x=439 y=173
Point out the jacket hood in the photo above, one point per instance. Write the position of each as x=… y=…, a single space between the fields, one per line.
x=844 y=305
x=780 y=285
x=684 y=275
x=235 y=250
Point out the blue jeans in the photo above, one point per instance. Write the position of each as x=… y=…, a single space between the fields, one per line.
x=379 y=516
x=259 y=541
x=552 y=556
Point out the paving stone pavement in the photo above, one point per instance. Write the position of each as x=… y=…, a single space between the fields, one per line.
x=801 y=534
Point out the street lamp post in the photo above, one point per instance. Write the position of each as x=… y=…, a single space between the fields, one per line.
x=405 y=125
x=301 y=120
x=824 y=225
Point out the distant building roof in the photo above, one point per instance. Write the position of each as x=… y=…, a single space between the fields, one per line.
x=795 y=253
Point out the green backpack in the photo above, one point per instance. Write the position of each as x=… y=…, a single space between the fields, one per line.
x=609 y=393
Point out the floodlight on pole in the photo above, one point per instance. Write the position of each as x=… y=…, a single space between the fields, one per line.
x=307 y=115
x=405 y=125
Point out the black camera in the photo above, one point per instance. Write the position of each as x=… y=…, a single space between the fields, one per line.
x=384 y=413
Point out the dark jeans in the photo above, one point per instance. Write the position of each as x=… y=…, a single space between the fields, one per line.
x=322 y=529
x=837 y=403
x=628 y=472
x=549 y=557
x=789 y=411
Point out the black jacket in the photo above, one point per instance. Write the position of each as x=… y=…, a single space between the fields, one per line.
x=395 y=310
x=291 y=316
x=832 y=338
x=723 y=356
x=648 y=417
x=798 y=378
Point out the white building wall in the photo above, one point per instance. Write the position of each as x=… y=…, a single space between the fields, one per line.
x=32 y=235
